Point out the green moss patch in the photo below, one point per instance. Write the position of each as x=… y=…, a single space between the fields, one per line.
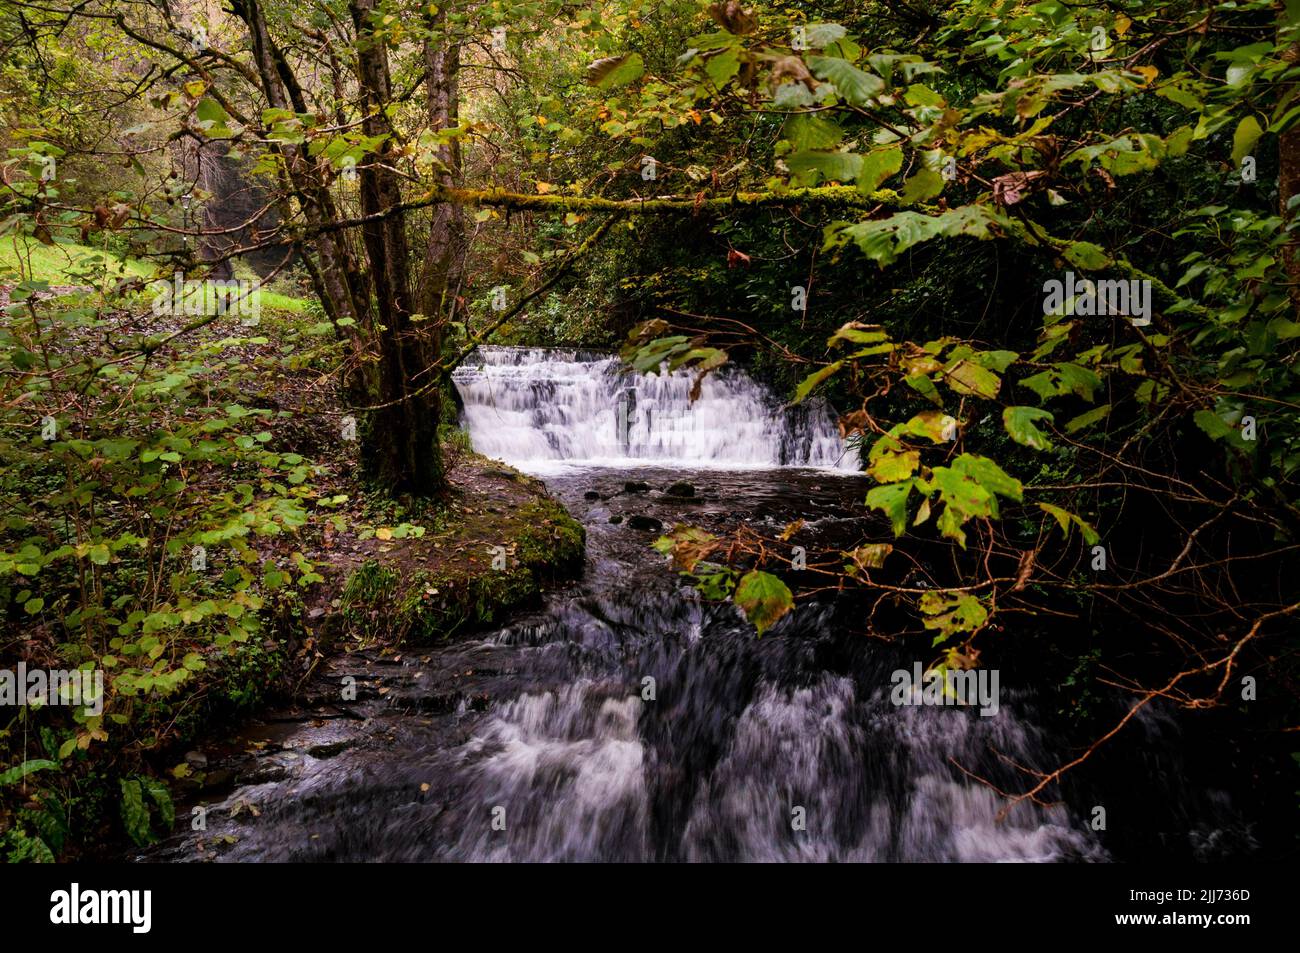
x=507 y=543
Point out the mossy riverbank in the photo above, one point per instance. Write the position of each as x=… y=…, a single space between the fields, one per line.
x=491 y=546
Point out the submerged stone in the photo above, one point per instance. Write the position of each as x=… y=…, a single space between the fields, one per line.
x=681 y=489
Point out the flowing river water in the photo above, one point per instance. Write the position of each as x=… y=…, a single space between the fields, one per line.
x=628 y=720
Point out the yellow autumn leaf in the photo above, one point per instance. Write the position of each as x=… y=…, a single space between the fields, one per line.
x=543 y=188
x=1122 y=24
x=1148 y=74
x=384 y=533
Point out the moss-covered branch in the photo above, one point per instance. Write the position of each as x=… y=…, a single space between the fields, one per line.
x=829 y=196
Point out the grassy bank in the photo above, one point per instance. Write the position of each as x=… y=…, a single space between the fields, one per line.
x=69 y=263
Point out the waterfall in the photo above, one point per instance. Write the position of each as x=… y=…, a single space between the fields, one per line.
x=541 y=410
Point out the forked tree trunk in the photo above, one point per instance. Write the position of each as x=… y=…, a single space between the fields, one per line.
x=400 y=436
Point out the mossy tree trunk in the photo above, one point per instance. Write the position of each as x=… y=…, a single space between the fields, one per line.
x=400 y=436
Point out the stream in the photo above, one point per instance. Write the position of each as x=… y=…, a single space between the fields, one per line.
x=629 y=720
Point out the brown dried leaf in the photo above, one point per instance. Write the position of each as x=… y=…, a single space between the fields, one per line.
x=1011 y=188
x=792 y=69
x=733 y=18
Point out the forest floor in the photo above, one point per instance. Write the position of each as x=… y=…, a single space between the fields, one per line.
x=365 y=575
x=393 y=574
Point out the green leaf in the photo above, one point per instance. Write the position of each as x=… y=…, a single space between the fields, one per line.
x=211 y=112
x=967 y=377
x=883 y=240
x=162 y=798
x=16 y=774
x=822 y=35
x=1019 y=423
x=614 y=71
x=1088 y=419
x=763 y=598
x=816 y=377
x=877 y=167
x=1079 y=380
x=716 y=585
x=720 y=67
x=951 y=613
x=995 y=360
x=925 y=387
x=891 y=499
x=920 y=95
x=812 y=131
x=1213 y=425
x=854 y=85
x=989 y=475
x=1085 y=255
x=888 y=462
x=791 y=96
x=1090 y=535
x=1176 y=94
x=922 y=185
x=135 y=816
x=963 y=498
x=1063 y=379
x=1064 y=518
x=855 y=332
x=648 y=358
x=1244 y=139
x=928 y=423
x=836 y=166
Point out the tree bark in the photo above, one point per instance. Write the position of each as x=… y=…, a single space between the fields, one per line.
x=1288 y=185
x=445 y=250
x=400 y=437
x=346 y=291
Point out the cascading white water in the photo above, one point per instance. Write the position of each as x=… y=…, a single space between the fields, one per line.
x=541 y=410
x=877 y=781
